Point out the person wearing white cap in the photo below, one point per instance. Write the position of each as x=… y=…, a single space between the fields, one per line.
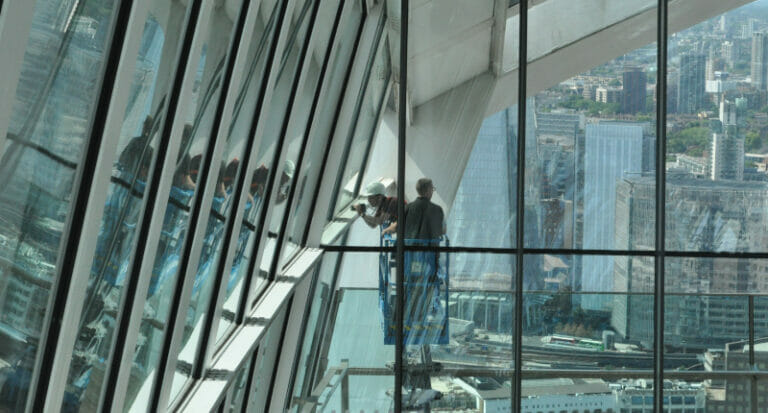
x=385 y=208
x=289 y=169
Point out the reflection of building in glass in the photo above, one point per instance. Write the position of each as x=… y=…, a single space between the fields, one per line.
x=702 y=215
x=691 y=83
x=483 y=211
x=556 y=136
x=612 y=152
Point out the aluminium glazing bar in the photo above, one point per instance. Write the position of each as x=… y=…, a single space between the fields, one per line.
x=81 y=270
x=151 y=221
x=54 y=323
x=15 y=26
x=661 y=176
x=402 y=124
x=520 y=221
x=198 y=222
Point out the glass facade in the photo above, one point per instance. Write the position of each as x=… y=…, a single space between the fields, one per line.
x=380 y=205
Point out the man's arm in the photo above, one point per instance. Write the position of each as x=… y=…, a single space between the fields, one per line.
x=391 y=229
x=372 y=221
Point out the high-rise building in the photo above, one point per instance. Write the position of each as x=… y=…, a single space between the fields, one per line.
x=691 y=83
x=727 y=52
x=634 y=94
x=727 y=147
x=612 y=152
x=759 y=63
x=608 y=95
x=701 y=215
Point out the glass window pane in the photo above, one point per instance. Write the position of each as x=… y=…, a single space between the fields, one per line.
x=304 y=98
x=135 y=153
x=359 y=142
x=297 y=121
x=249 y=98
x=466 y=149
x=198 y=114
x=588 y=328
x=265 y=363
x=716 y=194
x=313 y=332
x=238 y=390
x=590 y=144
x=483 y=210
x=325 y=116
x=358 y=309
x=48 y=130
x=277 y=109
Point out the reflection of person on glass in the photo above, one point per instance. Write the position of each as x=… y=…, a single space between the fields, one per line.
x=215 y=228
x=285 y=181
x=174 y=222
x=255 y=195
x=424 y=225
x=385 y=213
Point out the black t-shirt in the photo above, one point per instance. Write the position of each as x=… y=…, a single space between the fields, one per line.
x=388 y=208
x=423 y=220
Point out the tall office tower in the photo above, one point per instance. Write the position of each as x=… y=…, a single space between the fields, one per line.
x=727 y=52
x=612 y=152
x=727 y=146
x=691 y=83
x=649 y=142
x=727 y=155
x=759 y=67
x=482 y=213
x=715 y=66
x=701 y=215
x=556 y=139
x=633 y=97
x=727 y=113
x=608 y=95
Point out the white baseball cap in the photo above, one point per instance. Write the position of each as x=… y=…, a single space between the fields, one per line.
x=374 y=188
